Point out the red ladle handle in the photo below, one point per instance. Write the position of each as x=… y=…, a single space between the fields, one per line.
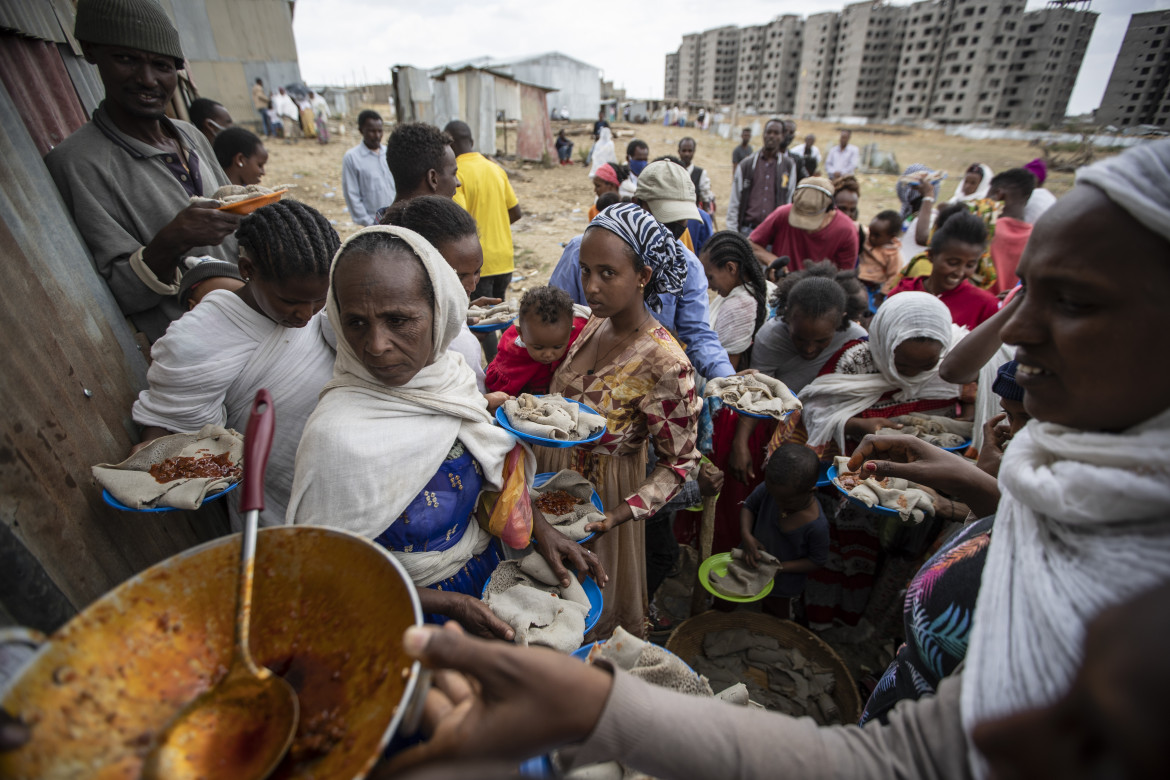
x=257 y=445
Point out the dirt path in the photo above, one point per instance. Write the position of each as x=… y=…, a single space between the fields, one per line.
x=556 y=200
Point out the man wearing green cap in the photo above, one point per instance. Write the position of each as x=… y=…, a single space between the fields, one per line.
x=129 y=174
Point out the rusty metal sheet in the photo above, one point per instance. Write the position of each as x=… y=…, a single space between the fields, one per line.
x=71 y=371
x=36 y=19
x=535 y=128
x=40 y=86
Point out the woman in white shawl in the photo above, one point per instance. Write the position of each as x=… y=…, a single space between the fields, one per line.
x=269 y=333
x=603 y=151
x=975 y=185
x=868 y=382
x=894 y=373
x=401 y=443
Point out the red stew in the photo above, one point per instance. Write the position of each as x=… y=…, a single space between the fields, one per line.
x=205 y=467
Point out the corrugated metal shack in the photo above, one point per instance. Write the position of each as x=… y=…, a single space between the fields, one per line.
x=229 y=44
x=479 y=97
x=72 y=367
x=576 y=85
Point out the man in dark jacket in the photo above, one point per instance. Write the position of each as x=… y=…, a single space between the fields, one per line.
x=765 y=180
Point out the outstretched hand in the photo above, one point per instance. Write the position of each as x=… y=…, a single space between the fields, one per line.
x=469 y=612
x=559 y=549
x=923 y=463
x=484 y=696
x=613 y=518
x=996 y=435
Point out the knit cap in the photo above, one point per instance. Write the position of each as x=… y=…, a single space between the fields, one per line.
x=1005 y=383
x=134 y=24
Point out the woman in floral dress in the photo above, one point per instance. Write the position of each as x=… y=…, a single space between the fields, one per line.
x=630 y=369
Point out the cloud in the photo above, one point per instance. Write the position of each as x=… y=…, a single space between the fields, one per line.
x=358 y=41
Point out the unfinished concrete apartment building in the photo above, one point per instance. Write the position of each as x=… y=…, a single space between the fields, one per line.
x=949 y=61
x=1138 y=92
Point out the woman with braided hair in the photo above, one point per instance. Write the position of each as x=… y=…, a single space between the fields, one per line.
x=630 y=369
x=269 y=333
x=742 y=304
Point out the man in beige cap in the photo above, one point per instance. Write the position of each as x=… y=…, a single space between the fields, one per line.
x=129 y=174
x=666 y=191
x=807 y=230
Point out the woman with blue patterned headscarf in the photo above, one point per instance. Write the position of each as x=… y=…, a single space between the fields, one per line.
x=629 y=368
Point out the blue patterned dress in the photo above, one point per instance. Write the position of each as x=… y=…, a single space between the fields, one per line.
x=438 y=517
x=938 y=612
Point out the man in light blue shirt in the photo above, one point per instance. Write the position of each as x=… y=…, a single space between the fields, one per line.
x=686 y=315
x=365 y=178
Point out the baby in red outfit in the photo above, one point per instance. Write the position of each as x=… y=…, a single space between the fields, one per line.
x=533 y=347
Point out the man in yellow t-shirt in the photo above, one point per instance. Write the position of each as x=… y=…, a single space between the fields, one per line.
x=487 y=195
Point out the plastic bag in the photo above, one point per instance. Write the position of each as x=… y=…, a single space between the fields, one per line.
x=507 y=515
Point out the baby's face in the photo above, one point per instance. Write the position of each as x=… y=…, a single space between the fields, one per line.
x=879 y=234
x=546 y=342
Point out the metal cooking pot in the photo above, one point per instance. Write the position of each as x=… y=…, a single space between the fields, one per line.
x=328 y=614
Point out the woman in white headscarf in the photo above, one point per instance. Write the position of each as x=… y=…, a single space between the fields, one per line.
x=401 y=442
x=894 y=373
x=975 y=185
x=603 y=151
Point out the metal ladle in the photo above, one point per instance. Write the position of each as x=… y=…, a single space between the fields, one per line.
x=243 y=726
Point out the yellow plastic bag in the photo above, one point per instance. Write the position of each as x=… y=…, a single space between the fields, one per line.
x=507 y=515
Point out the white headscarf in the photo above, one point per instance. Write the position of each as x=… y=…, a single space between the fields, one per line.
x=1137 y=181
x=368 y=449
x=980 y=191
x=603 y=151
x=831 y=400
x=1084 y=519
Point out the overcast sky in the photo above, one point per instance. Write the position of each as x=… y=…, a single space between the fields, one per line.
x=357 y=41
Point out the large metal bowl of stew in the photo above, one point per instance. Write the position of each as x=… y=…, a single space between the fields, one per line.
x=328 y=613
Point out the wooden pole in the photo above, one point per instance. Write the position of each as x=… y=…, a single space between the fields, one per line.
x=706 y=540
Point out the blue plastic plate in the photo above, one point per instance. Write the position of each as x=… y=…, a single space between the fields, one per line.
x=877 y=510
x=502 y=419
x=592 y=592
x=823 y=476
x=490 y=328
x=582 y=652
x=960 y=449
x=541 y=766
x=116 y=504
x=595 y=499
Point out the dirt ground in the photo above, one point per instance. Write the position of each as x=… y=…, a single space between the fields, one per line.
x=555 y=200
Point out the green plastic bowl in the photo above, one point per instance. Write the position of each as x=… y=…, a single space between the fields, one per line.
x=718 y=563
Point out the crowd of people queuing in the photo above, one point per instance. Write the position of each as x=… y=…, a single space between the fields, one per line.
x=1013 y=600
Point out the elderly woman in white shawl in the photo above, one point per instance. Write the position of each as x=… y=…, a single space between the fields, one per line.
x=1083 y=526
x=401 y=442
x=269 y=333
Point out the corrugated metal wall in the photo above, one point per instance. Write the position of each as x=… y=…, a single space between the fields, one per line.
x=229 y=44
x=41 y=89
x=71 y=365
x=64 y=336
